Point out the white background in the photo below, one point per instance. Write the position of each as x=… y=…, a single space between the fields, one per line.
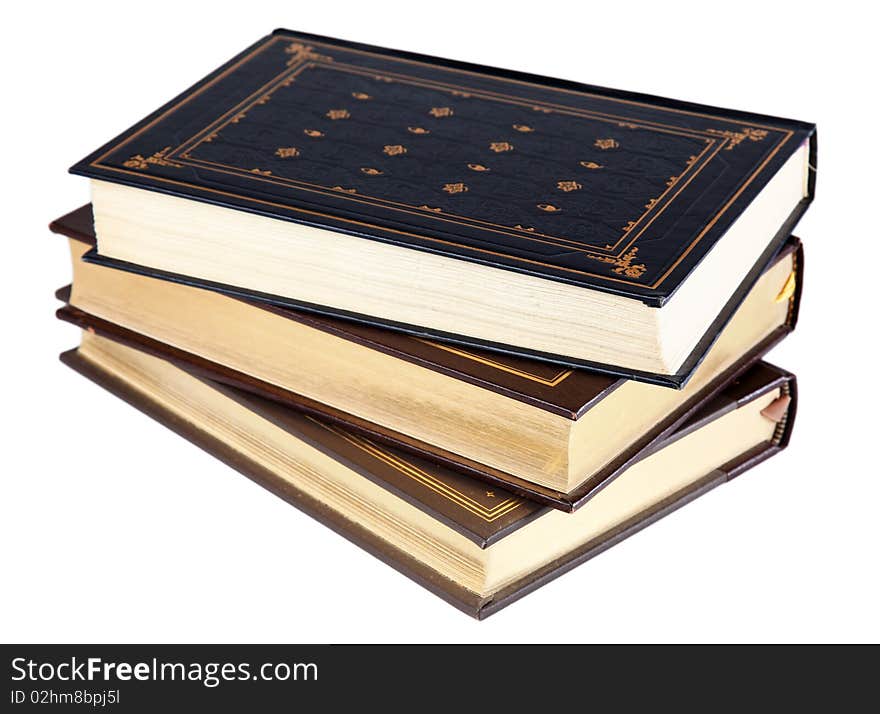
x=115 y=529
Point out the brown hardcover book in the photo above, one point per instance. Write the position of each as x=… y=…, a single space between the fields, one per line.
x=479 y=548
x=555 y=435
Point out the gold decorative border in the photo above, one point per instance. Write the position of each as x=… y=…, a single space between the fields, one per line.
x=787 y=135
x=502 y=508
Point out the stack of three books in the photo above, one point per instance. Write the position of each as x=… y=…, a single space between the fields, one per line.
x=484 y=324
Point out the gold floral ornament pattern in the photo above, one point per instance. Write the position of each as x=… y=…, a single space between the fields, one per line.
x=429 y=208
x=591 y=165
x=335 y=114
x=261 y=172
x=440 y=112
x=606 y=144
x=314 y=133
x=299 y=52
x=158 y=159
x=625 y=265
x=568 y=186
x=361 y=96
x=417 y=130
x=478 y=167
x=523 y=128
x=549 y=207
x=521 y=227
x=500 y=146
x=737 y=137
x=344 y=190
x=370 y=171
x=286 y=152
x=394 y=150
x=455 y=188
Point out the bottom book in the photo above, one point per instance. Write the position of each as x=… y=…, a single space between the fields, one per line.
x=478 y=548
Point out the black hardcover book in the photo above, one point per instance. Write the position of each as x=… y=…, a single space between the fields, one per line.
x=477 y=205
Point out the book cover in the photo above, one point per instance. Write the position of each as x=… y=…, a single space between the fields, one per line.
x=610 y=190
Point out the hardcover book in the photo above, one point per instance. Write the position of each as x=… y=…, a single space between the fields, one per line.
x=478 y=548
x=483 y=207
x=557 y=435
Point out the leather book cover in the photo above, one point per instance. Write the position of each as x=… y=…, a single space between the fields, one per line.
x=490 y=374
x=484 y=516
x=614 y=191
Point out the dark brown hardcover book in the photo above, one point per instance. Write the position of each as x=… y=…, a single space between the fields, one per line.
x=472 y=204
x=461 y=512
x=568 y=393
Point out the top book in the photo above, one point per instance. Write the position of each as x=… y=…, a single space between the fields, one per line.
x=585 y=226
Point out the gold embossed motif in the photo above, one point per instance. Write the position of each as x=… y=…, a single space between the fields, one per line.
x=394 y=150
x=286 y=152
x=299 y=52
x=370 y=171
x=335 y=114
x=500 y=146
x=549 y=207
x=417 y=130
x=455 y=188
x=314 y=133
x=440 y=112
x=590 y=165
x=478 y=167
x=568 y=186
x=523 y=128
x=158 y=159
x=624 y=265
x=606 y=144
x=737 y=137
x=361 y=96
